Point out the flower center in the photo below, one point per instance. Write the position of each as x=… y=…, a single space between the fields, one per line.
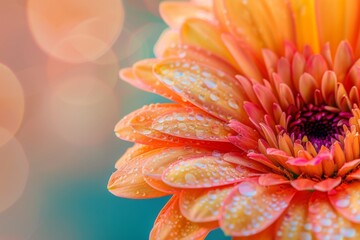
x=321 y=125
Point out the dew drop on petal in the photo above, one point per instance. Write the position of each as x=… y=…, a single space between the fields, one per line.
x=247 y=189
x=190 y=178
x=343 y=203
x=233 y=104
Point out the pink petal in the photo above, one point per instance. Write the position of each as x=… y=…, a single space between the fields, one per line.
x=327 y=184
x=327 y=223
x=270 y=179
x=202 y=172
x=345 y=200
x=349 y=166
x=251 y=208
x=303 y=184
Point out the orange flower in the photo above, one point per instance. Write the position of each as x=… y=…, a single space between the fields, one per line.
x=263 y=140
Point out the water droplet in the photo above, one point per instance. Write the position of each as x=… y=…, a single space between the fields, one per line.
x=210 y=83
x=214 y=97
x=342 y=203
x=247 y=189
x=190 y=178
x=233 y=104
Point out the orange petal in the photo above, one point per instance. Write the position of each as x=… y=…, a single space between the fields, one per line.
x=211 y=90
x=160 y=185
x=203 y=206
x=328 y=223
x=128 y=180
x=144 y=73
x=344 y=13
x=124 y=129
x=242 y=160
x=344 y=59
x=176 y=13
x=202 y=172
x=303 y=184
x=295 y=223
x=192 y=123
x=305 y=24
x=349 y=166
x=329 y=87
x=248 y=65
x=156 y=165
x=307 y=87
x=345 y=200
x=270 y=179
x=250 y=208
x=168 y=39
x=170 y=224
x=327 y=184
x=137 y=127
x=199 y=33
x=133 y=152
x=127 y=74
x=201 y=56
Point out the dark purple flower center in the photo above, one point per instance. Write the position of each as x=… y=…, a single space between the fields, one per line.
x=320 y=124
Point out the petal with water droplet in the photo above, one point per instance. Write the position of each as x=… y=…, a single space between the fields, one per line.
x=346 y=201
x=295 y=222
x=202 y=172
x=175 y=13
x=192 y=123
x=327 y=223
x=203 y=206
x=171 y=224
x=127 y=181
x=251 y=208
x=156 y=165
x=222 y=98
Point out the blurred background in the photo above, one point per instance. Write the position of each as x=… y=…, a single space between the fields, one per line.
x=60 y=98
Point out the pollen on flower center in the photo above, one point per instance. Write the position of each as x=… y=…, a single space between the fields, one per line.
x=318 y=124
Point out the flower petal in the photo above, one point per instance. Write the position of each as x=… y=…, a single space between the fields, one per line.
x=202 y=172
x=345 y=200
x=305 y=24
x=303 y=184
x=175 y=13
x=192 y=123
x=327 y=223
x=170 y=224
x=156 y=165
x=327 y=184
x=295 y=223
x=137 y=127
x=127 y=181
x=200 y=33
x=213 y=91
x=133 y=152
x=270 y=179
x=167 y=39
x=203 y=205
x=144 y=73
x=250 y=208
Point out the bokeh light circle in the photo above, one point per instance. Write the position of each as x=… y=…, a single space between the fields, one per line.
x=12 y=103
x=14 y=170
x=86 y=120
x=75 y=31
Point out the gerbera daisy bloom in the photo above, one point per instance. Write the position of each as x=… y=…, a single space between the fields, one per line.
x=262 y=139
